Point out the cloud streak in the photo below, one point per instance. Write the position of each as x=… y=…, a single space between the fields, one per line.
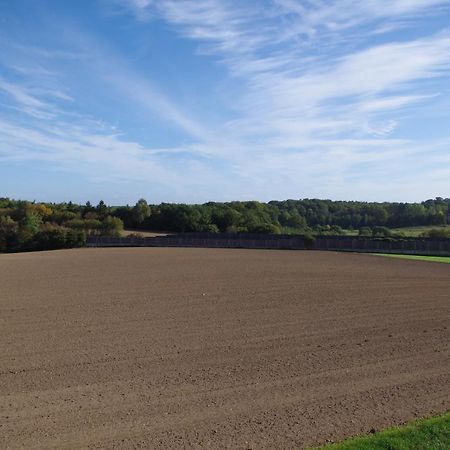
x=296 y=93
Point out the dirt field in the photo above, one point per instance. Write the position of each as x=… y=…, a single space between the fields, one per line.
x=194 y=348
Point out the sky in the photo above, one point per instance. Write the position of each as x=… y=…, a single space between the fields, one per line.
x=217 y=100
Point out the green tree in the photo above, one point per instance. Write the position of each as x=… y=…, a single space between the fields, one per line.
x=8 y=233
x=111 y=226
x=93 y=226
x=101 y=208
x=140 y=212
x=225 y=218
x=28 y=227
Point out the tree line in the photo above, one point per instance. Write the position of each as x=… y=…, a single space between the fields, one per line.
x=35 y=226
x=288 y=216
x=27 y=226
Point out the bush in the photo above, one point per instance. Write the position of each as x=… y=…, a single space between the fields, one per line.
x=111 y=227
x=56 y=237
x=381 y=232
x=439 y=233
x=309 y=240
x=8 y=234
x=365 y=232
x=266 y=228
x=211 y=228
x=75 y=238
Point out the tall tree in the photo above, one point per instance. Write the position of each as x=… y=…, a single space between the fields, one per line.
x=140 y=212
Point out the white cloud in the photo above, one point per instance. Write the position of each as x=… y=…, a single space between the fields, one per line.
x=389 y=103
x=81 y=148
x=326 y=106
x=332 y=18
x=293 y=95
x=25 y=101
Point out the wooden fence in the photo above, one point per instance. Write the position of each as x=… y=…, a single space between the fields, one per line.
x=413 y=246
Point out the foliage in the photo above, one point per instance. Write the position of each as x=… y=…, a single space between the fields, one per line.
x=309 y=240
x=381 y=232
x=111 y=226
x=54 y=237
x=438 y=233
x=8 y=232
x=26 y=226
x=140 y=212
x=21 y=221
x=365 y=232
x=289 y=216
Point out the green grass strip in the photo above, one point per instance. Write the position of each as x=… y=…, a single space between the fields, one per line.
x=425 y=434
x=440 y=259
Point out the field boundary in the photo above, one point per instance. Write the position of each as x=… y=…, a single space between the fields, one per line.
x=432 y=433
x=407 y=246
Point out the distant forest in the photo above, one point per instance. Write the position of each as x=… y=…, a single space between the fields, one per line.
x=28 y=225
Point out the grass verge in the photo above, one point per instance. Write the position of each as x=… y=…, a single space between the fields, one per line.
x=440 y=259
x=426 y=434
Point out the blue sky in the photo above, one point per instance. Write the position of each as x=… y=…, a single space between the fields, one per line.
x=198 y=100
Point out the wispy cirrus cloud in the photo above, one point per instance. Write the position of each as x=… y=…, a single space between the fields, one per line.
x=24 y=100
x=78 y=147
x=308 y=87
x=48 y=129
x=297 y=91
x=330 y=18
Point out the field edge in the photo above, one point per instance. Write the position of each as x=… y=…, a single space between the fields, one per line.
x=438 y=259
x=431 y=433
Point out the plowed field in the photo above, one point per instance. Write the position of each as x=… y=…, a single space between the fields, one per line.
x=215 y=348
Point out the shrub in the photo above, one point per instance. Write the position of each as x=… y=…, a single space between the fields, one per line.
x=111 y=226
x=309 y=240
x=381 y=232
x=365 y=231
x=439 y=233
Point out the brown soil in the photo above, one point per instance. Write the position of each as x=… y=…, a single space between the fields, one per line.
x=203 y=348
